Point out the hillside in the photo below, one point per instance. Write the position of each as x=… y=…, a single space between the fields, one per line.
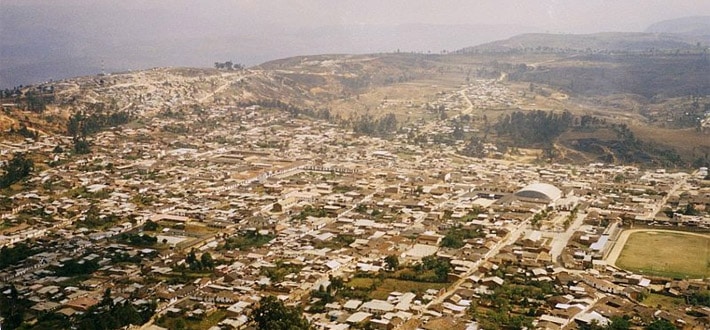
x=696 y=25
x=431 y=96
x=650 y=76
x=599 y=42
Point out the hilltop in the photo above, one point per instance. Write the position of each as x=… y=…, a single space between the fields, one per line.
x=598 y=42
x=695 y=25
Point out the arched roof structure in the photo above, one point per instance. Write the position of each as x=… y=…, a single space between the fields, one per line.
x=542 y=191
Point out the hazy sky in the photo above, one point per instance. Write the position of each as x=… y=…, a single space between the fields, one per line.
x=51 y=39
x=573 y=16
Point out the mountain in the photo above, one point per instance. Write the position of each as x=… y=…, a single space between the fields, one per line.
x=608 y=41
x=695 y=25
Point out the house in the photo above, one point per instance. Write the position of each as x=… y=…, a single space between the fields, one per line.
x=359 y=318
x=82 y=304
x=377 y=307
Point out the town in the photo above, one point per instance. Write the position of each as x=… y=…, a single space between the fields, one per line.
x=193 y=216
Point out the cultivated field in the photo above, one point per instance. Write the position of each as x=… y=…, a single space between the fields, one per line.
x=666 y=253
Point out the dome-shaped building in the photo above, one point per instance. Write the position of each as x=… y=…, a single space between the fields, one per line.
x=541 y=191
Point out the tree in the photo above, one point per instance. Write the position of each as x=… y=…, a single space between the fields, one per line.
x=180 y=324
x=150 y=225
x=17 y=169
x=474 y=148
x=272 y=314
x=391 y=262
x=442 y=271
x=699 y=298
x=81 y=146
x=12 y=308
x=619 y=323
x=660 y=325
x=207 y=261
x=106 y=300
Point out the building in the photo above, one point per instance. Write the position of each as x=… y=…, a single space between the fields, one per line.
x=540 y=191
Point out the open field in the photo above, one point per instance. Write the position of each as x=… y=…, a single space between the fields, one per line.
x=190 y=323
x=669 y=303
x=385 y=287
x=666 y=253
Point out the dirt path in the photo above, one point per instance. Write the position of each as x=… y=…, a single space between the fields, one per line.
x=469 y=109
x=621 y=241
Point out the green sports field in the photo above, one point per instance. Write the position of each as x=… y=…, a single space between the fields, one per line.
x=673 y=254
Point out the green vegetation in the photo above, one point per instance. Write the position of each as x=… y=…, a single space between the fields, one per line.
x=660 y=324
x=94 y=220
x=511 y=305
x=12 y=255
x=116 y=316
x=17 y=169
x=205 y=262
x=430 y=269
x=228 y=65
x=474 y=148
x=5 y=203
x=81 y=146
x=310 y=211
x=666 y=302
x=25 y=132
x=537 y=219
x=293 y=110
x=324 y=296
x=367 y=125
x=391 y=262
x=74 y=267
x=272 y=314
x=683 y=255
x=534 y=128
x=377 y=288
x=104 y=316
x=283 y=268
x=137 y=239
x=699 y=298
x=340 y=241
x=150 y=225
x=247 y=240
x=12 y=308
x=192 y=323
x=456 y=236
x=616 y=323
x=37 y=102
x=654 y=75
x=96 y=118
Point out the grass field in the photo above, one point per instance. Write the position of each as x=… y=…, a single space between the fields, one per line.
x=667 y=303
x=677 y=255
x=385 y=287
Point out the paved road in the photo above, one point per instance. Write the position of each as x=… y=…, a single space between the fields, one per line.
x=559 y=242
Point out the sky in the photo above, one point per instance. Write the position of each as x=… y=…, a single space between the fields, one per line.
x=566 y=16
x=59 y=38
